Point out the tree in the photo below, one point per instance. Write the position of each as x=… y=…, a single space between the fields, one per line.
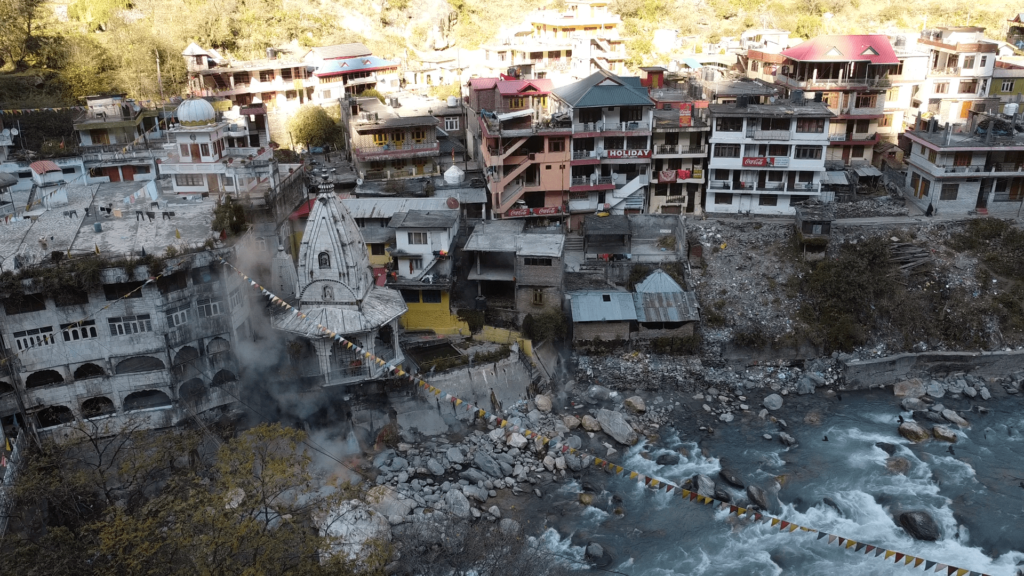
x=18 y=17
x=313 y=126
x=229 y=215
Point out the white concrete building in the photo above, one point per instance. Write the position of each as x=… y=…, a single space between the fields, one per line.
x=766 y=157
x=960 y=66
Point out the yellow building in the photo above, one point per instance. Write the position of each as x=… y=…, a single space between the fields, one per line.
x=1008 y=80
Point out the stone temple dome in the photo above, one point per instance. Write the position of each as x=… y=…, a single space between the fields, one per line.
x=196 y=112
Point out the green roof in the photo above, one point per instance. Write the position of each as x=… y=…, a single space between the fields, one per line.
x=603 y=89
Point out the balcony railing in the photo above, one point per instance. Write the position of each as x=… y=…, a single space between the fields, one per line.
x=425 y=146
x=680 y=149
x=832 y=82
x=855 y=137
x=584 y=154
x=768 y=134
x=511 y=191
x=961 y=169
x=947 y=71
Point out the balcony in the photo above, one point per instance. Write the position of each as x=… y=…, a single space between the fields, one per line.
x=670 y=149
x=947 y=71
x=856 y=138
x=773 y=187
x=586 y=154
x=769 y=134
x=413 y=150
x=826 y=83
x=591 y=181
x=611 y=126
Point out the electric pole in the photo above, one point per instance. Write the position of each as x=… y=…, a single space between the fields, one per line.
x=159 y=80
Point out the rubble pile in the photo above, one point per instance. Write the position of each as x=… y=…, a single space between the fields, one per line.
x=880 y=206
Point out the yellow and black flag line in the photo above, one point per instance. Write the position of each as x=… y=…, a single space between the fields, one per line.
x=687 y=495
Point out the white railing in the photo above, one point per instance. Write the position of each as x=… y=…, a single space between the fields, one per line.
x=769 y=134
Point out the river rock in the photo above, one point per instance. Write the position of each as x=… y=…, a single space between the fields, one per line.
x=457 y=503
x=787 y=439
x=594 y=550
x=984 y=393
x=485 y=462
x=705 y=486
x=897 y=465
x=516 y=440
x=920 y=525
x=888 y=448
x=574 y=462
x=912 y=404
x=773 y=402
x=731 y=477
x=494 y=511
x=635 y=404
x=759 y=497
x=944 y=433
x=912 y=388
x=498 y=434
x=935 y=390
x=805 y=386
x=571 y=422
x=590 y=424
x=388 y=502
x=476 y=493
x=614 y=424
x=455 y=456
x=954 y=418
x=435 y=467
x=667 y=460
x=586 y=498
x=542 y=402
x=970 y=391
x=560 y=463
x=473 y=475
x=549 y=463
x=913 y=432
x=354 y=527
x=398 y=463
x=727 y=417
x=721 y=495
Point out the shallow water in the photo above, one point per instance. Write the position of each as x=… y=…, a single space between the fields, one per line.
x=974 y=496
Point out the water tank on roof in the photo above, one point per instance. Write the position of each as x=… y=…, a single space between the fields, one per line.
x=798 y=96
x=1010 y=109
x=453 y=101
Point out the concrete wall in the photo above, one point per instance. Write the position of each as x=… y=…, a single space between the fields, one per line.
x=539 y=275
x=683 y=331
x=552 y=299
x=585 y=331
x=887 y=371
x=433 y=316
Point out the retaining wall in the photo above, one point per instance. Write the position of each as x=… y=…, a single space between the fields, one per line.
x=863 y=374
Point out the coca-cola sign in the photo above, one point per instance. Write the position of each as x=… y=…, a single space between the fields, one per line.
x=635 y=153
x=517 y=212
x=520 y=212
x=547 y=211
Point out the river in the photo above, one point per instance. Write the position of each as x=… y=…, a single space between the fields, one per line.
x=975 y=495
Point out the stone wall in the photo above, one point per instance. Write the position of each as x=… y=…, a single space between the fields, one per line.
x=863 y=374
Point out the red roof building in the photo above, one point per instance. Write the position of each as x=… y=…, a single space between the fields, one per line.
x=44 y=166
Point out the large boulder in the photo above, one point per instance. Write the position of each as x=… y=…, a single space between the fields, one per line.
x=473 y=475
x=457 y=503
x=435 y=467
x=773 y=402
x=389 y=503
x=914 y=432
x=944 y=433
x=571 y=422
x=954 y=418
x=542 y=402
x=705 y=486
x=761 y=498
x=590 y=424
x=475 y=492
x=912 y=388
x=667 y=460
x=614 y=424
x=516 y=440
x=485 y=462
x=920 y=525
x=635 y=404
x=731 y=477
x=805 y=385
x=355 y=529
x=912 y=404
x=455 y=455
x=935 y=390
x=888 y=447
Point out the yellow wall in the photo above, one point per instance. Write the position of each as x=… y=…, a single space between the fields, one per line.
x=434 y=316
x=378 y=261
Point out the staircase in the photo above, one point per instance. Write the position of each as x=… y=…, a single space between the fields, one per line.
x=573 y=243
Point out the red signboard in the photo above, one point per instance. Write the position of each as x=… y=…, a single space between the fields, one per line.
x=638 y=153
x=755 y=162
x=700 y=104
x=515 y=212
x=547 y=211
x=520 y=212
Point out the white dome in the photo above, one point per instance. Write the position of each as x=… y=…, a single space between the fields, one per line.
x=196 y=112
x=454 y=175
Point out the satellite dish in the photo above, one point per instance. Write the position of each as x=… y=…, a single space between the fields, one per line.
x=359 y=181
x=6 y=132
x=452 y=202
x=14 y=132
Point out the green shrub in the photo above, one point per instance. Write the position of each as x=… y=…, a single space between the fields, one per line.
x=475 y=319
x=546 y=325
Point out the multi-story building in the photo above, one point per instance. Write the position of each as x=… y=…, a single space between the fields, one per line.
x=120 y=140
x=980 y=169
x=679 y=164
x=18 y=163
x=611 y=119
x=1008 y=81
x=960 y=65
x=850 y=74
x=906 y=80
x=386 y=144
x=766 y=157
x=523 y=148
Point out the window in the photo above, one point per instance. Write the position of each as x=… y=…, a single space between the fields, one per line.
x=915 y=181
x=326 y=94
x=236 y=298
x=721 y=174
x=866 y=100
x=418 y=136
x=204 y=149
x=893 y=94
x=590 y=115
x=807 y=153
x=556 y=145
x=431 y=296
x=942 y=87
x=537 y=261
x=810 y=125
x=630 y=114
x=127 y=325
x=857 y=152
x=962 y=158
x=768 y=200
x=729 y=124
x=205 y=275
x=26 y=339
x=778 y=150
x=380 y=139
x=723 y=198
x=417 y=237
x=67 y=170
x=324 y=260
x=415 y=264
x=949 y=191
x=968 y=62
x=775 y=124
x=661 y=189
x=79 y=330
x=862 y=126
x=208 y=307
x=122 y=290
x=142 y=169
x=451 y=122
x=517 y=102
x=606 y=297
x=541 y=101
x=261 y=243
x=538 y=297
x=178 y=316
x=968 y=86
x=932 y=156
x=984 y=60
x=886 y=121
x=727 y=151
x=183 y=148
x=805 y=176
x=377 y=250
x=614 y=143
x=188 y=179
x=1008 y=85
x=411 y=296
x=923 y=186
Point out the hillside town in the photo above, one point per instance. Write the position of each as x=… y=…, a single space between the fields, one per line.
x=529 y=243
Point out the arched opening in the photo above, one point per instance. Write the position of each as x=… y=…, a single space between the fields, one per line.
x=5 y=388
x=55 y=415
x=89 y=370
x=43 y=378
x=324 y=259
x=186 y=354
x=146 y=399
x=223 y=377
x=328 y=293
x=218 y=345
x=191 y=390
x=139 y=364
x=98 y=406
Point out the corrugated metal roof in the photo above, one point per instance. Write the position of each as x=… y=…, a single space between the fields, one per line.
x=44 y=166
x=508 y=236
x=513 y=87
x=665 y=307
x=377 y=234
x=615 y=225
x=425 y=219
x=362 y=63
x=350 y=50
x=836 y=177
x=388 y=207
x=874 y=48
x=601 y=89
x=867 y=171
x=594 y=306
x=465 y=195
x=483 y=83
x=658 y=281
x=381 y=305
